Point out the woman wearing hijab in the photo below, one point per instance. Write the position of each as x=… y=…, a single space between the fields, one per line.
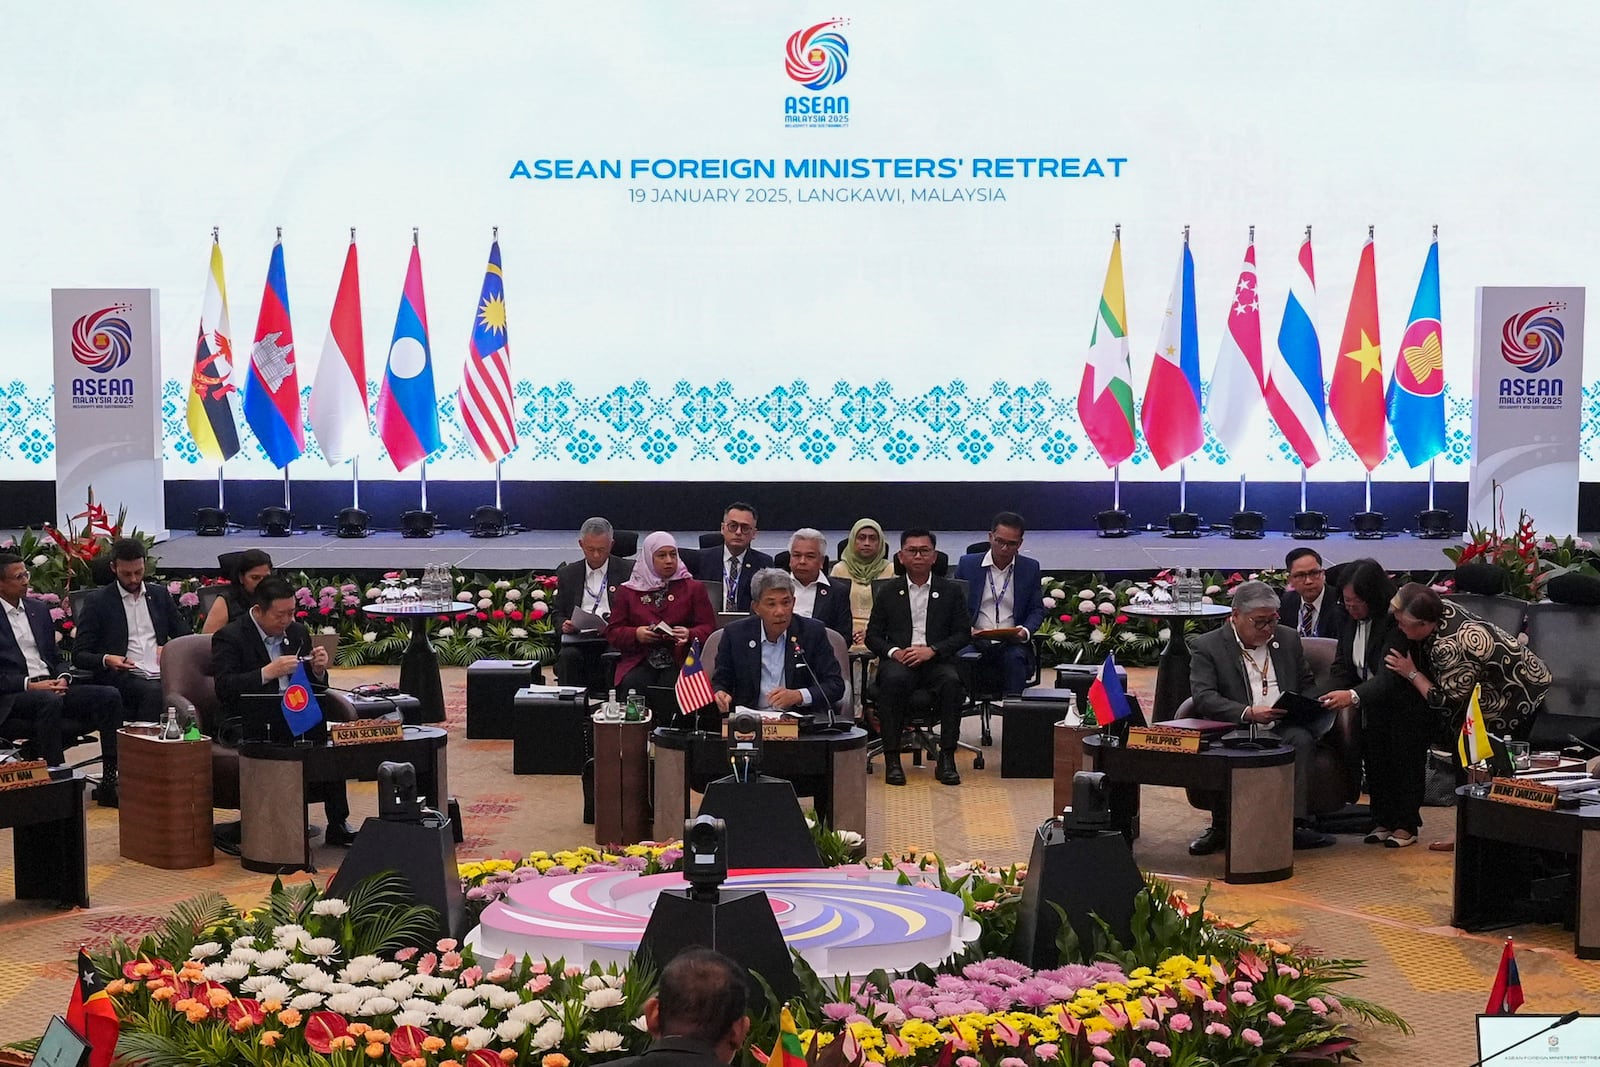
x=865 y=560
x=660 y=591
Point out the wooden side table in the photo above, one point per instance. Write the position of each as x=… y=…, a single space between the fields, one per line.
x=165 y=816
x=1070 y=758
x=622 y=782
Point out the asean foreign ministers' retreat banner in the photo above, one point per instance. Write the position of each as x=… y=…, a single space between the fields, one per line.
x=108 y=404
x=1525 y=432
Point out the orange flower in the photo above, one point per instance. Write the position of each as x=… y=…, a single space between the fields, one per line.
x=164 y=993
x=270 y=1006
x=114 y=987
x=155 y=983
x=508 y=1055
x=289 y=1017
x=219 y=998
x=458 y=1043
x=418 y=1062
x=198 y=1014
x=269 y=1038
x=555 y=1059
x=144 y=968
x=358 y=1029
x=378 y=1036
x=374 y=1050
x=339 y=1044
x=432 y=1044
x=449 y=1063
x=184 y=1005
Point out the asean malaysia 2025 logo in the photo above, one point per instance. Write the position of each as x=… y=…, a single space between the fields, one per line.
x=817 y=58
x=102 y=342
x=1532 y=341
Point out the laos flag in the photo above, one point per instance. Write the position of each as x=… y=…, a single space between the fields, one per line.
x=1416 y=392
x=408 y=411
x=272 y=390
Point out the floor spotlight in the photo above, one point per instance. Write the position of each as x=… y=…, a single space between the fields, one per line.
x=1247 y=525
x=1310 y=525
x=275 y=521
x=416 y=524
x=1112 y=524
x=1368 y=525
x=1435 y=524
x=352 y=522
x=210 y=522
x=1183 y=524
x=489 y=521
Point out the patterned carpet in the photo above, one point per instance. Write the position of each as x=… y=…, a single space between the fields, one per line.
x=1391 y=908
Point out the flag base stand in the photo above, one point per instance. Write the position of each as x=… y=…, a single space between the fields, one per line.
x=210 y=522
x=1183 y=524
x=1435 y=524
x=1247 y=525
x=1309 y=526
x=490 y=521
x=352 y=523
x=417 y=524
x=1113 y=524
x=1368 y=525
x=274 y=521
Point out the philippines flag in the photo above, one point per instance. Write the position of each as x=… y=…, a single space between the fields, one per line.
x=1505 y=996
x=272 y=391
x=1171 y=412
x=1416 y=391
x=1240 y=378
x=1294 y=380
x=693 y=688
x=1106 y=697
x=338 y=406
x=408 y=412
x=485 y=394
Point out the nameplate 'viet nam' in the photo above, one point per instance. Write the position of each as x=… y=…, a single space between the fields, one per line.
x=1163 y=739
x=365 y=732
x=21 y=775
x=1524 y=794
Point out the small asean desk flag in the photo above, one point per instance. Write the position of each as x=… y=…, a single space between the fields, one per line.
x=301 y=712
x=1105 y=394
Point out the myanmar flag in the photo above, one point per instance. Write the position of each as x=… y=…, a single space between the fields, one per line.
x=1356 y=395
x=91 y=1013
x=210 y=411
x=787 y=1052
x=1105 y=396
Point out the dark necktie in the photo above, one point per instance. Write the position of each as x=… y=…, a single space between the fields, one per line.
x=1307 y=609
x=730 y=592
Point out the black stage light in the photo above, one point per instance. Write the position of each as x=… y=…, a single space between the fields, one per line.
x=1112 y=524
x=1435 y=524
x=1310 y=525
x=398 y=799
x=489 y=521
x=352 y=522
x=744 y=745
x=705 y=856
x=1183 y=524
x=275 y=521
x=1251 y=525
x=1368 y=525
x=210 y=522
x=416 y=524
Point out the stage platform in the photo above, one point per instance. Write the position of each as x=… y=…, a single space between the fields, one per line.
x=544 y=550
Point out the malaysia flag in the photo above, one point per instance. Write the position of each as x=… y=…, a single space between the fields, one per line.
x=485 y=394
x=1239 y=380
x=1171 y=412
x=693 y=688
x=408 y=410
x=272 y=391
x=1294 y=380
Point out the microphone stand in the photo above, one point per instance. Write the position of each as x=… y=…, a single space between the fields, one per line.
x=801 y=661
x=1564 y=1020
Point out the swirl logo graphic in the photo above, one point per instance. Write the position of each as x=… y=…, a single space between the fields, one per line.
x=102 y=340
x=1532 y=341
x=817 y=57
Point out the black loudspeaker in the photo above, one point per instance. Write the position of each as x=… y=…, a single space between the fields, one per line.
x=210 y=522
x=739 y=923
x=1248 y=525
x=1484 y=579
x=1310 y=526
x=1089 y=874
x=1573 y=588
x=1368 y=525
x=766 y=827
x=1183 y=524
x=424 y=854
x=417 y=524
x=275 y=521
x=489 y=521
x=352 y=522
x=1112 y=524
x=1435 y=524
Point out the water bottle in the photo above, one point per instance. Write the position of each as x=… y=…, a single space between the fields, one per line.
x=612 y=712
x=170 y=730
x=633 y=714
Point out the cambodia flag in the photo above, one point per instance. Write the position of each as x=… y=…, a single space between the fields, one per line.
x=1294 y=381
x=1505 y=997
x=272 y=391
x=408 y=411
x=1106 y=697
x=1416 y=391
x=1356 y=395
x=1171 y=412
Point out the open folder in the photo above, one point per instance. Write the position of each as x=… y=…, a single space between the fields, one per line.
x=1299 y=710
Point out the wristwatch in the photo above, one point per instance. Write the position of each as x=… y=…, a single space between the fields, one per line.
x=1412 y=676
x=1355 y=699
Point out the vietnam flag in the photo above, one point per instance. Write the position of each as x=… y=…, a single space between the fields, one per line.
x=92 y=1014
x=1356 y=395
x=1105 y=395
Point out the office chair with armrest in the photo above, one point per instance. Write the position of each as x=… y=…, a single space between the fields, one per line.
x=977 y=546
x=624 y=543
x=710 y=540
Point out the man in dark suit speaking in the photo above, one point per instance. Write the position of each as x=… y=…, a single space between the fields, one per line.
x=257 y=653
x=918 y=624
x=775 y=658
x=122 y=628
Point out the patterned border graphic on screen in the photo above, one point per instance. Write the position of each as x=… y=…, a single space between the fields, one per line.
x=818 y=57
x=1532 y=341
x=102 y=340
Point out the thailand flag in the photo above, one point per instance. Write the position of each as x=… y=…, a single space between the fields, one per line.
x=1294 y=381
x=1106 y=697
x=408 y=412
x=1171 y=412
x=272 y=391
x=1416 y=391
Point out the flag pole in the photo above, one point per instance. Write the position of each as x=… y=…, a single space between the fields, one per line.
x=1324 y=425
x=422 y=470
x=495 y=238
x=1183 y=464
x=1371 y=230
x=1242 y=475
x=286 y=506
x=1302 y=487
x=1116 y=488
x=216 y=239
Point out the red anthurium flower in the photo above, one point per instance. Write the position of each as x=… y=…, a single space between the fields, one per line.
x=244 y=1013
x=406 y=1042
x=322 y=1027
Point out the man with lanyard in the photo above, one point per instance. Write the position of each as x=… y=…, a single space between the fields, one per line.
x=734 y=565
x=1005 y=594
x=585 y=585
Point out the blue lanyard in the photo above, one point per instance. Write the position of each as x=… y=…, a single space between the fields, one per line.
x=1003 y=589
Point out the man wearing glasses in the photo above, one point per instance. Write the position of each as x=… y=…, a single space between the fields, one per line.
x=1237 y=673
x=1306 y=605
x=1004 y=594
x=737 y=562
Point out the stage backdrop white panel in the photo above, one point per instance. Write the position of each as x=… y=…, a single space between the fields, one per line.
x=107 y=410
x=922 y=317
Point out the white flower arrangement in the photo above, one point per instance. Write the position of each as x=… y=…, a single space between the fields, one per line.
x=485 y=604
x=464 y=597
x=330 y=906
x=475 y=633
x=1097 y=637
x=539 y=594
x=602 y=1041
x=603 y=998
x=513 y=595
x=548 y=1035
x=1085 y=605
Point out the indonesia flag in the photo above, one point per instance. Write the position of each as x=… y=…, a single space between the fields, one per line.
x=1239 y=380
x=408 y=411
x=1171 y=412
x=1294 y=380
x=272 y=392
x=339 y=395
x=485 y=394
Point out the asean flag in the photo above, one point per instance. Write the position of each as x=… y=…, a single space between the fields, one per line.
x=408 y=408
x=301 y=711
x=1416 y=392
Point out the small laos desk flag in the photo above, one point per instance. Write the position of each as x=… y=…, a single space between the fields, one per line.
x=300 y=708
x=1505 y=996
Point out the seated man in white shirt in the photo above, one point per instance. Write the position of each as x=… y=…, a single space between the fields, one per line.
x=817 y=596
x=121 y=630
x=586 y=585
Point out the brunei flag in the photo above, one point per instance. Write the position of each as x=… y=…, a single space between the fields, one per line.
x=92 y=1014
x=1473 y=745
x=1105 y=395
x=210 y=411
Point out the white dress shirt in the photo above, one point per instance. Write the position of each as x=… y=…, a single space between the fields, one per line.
x=23 y=631
x=1261 y=661
x=275 y=648
x=596 y=590
x=997 y=605
x=1358 y=649
x=917 y=595
x=805 y=597
x=142 y=644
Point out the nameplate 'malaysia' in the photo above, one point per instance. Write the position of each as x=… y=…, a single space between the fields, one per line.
x=774 y=730
x=22 y=775
x=1524 y=794
x=365 y=732
x=1163 y=739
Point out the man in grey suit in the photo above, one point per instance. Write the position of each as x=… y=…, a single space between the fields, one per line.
x=1236 y=673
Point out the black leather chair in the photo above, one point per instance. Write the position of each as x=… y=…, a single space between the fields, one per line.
x=1506 y=612
x=1566 y=636
x=624 y=543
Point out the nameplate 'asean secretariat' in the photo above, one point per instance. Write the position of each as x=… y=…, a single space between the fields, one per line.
x=1163 y=739
x=774 y=730
x=1524 y=794
x=22 y=775
x=365 y=732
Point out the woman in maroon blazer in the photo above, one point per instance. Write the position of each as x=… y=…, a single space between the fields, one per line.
x=660 y=591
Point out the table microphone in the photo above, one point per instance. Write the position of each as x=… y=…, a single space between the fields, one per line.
x=1581 y=743
x=801 y=661
x=1564 y=1020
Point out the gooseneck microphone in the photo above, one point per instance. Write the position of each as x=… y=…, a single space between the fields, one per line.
x=1564 y=1020
x=801 y=661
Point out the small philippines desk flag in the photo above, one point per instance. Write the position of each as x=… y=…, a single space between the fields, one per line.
x=1505 y=996
x=91 y=1013
x=300 y=708
x=1106 y=698
x=693 y=688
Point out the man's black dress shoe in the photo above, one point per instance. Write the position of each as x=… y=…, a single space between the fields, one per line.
x=946 y=771
x=894 y=774
x=105 y=794
x=1306 y=837
x=1212 y=841
x=339 y=835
